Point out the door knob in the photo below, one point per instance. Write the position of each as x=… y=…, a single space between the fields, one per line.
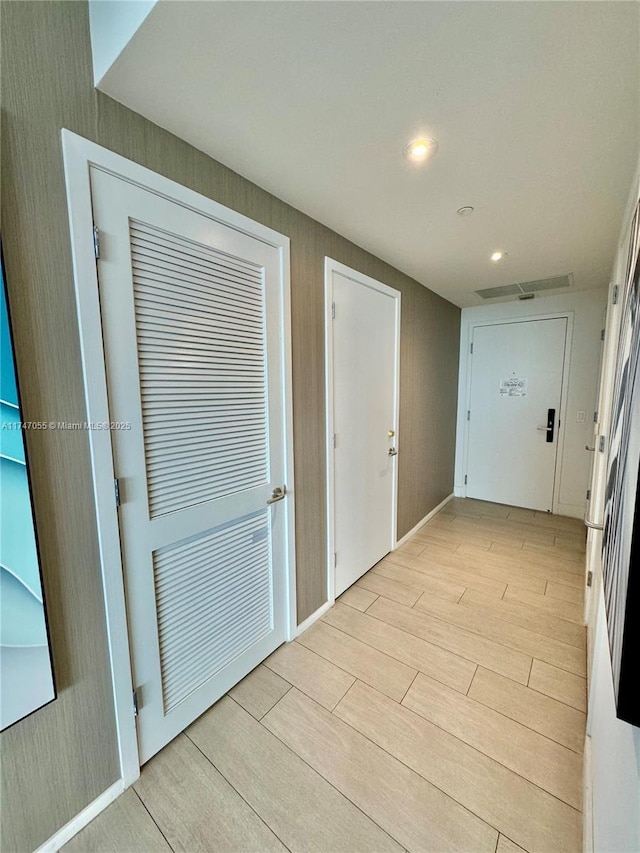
x=590 y=449
x=277 y=494
x=393 y=451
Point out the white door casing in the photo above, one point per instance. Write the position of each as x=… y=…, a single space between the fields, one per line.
x=191 y=509
x=597 y=476
x=594 y=514
x=517 y=371
x=363 y=334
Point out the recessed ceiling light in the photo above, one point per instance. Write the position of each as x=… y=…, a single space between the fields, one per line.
x=498 y=256
x=465 y=211
x=420 y=150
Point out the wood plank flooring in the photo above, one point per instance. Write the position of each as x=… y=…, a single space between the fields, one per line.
x=438 y=706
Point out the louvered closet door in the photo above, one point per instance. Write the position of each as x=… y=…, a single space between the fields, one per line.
x=192 y=325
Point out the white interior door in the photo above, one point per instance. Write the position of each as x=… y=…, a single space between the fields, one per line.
x=365 y=346
x=193 y=331
x=514 y=411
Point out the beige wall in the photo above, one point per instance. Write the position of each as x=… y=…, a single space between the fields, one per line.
x=60 y=759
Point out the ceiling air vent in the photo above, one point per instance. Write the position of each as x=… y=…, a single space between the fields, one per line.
x=555 y=283
x=494 y=292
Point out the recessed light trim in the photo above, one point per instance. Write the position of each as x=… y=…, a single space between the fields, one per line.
x=497 y=256
x=420 y=150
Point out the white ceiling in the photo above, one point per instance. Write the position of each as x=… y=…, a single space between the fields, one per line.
x=535 y=106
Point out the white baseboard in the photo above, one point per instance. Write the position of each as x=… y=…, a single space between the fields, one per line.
x=308 y=622
x=587 y=805
x=420 y=524
x=81 y=820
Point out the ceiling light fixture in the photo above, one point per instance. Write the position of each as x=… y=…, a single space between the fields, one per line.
x=498 y=256
x=465 y=211
x=419 y=150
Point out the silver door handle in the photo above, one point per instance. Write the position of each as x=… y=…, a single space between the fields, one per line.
x=592 y=525
x=393 y=451
x=590 y=449
x=277 y=494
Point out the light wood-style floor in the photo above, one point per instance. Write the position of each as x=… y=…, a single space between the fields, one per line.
x=440 y=705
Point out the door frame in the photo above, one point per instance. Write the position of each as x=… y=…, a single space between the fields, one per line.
x=79 y=155
x=564 y=396
x=330 y=267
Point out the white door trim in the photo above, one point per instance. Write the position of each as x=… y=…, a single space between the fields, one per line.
x=569 y=316
x=79 y=154
x=331 y=266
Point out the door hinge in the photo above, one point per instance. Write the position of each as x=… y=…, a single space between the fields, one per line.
x=335 y=560
x=614 y=296
x=334 y=439
x=135 y=703
x=468 y=414
x=601 y=444
x=588 y=494
x=602 y=335
x=96 y=242
x=595 y=417
x=471 y=347
x=333 y=310
x=116 y=489
x=465 y=479
x=589 y=578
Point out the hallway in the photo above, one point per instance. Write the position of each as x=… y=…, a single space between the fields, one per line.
x=440 y=705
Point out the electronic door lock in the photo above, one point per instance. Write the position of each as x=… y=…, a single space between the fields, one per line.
x=551 y=424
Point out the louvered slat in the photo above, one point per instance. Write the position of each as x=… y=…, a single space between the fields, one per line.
x=184 y=609
x=213 y=598
x=198 y=564
x=166 y=290
x=200 y=328
x=174 y=475
x=200 y=486
x=172 y=251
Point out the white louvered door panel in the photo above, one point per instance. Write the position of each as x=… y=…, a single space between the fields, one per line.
x=192 y=326
x=201 y=357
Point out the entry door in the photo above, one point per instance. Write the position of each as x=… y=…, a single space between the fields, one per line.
x=514 y=412
x=365 y=331
x=191 y=315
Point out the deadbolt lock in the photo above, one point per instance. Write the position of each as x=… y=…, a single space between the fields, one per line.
x=391 y=433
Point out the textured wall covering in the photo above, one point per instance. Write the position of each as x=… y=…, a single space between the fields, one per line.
x=64 y=756
x=61 y=758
